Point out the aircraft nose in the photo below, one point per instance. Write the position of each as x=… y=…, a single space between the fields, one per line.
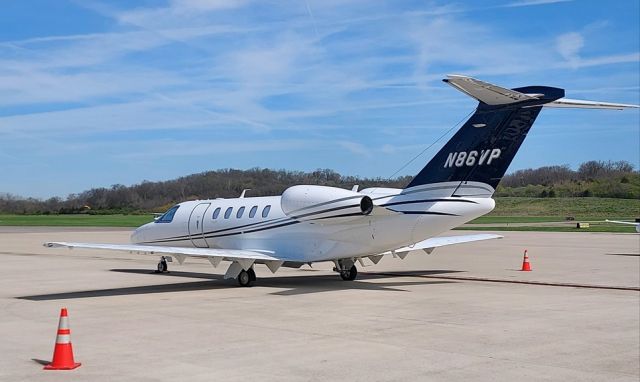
x=138 y=235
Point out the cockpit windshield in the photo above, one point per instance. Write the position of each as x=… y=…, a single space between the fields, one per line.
x=167 y=217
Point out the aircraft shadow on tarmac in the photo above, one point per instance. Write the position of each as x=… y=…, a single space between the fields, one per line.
x=293 y=285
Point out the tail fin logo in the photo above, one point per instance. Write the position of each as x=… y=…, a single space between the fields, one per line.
x=469 y=159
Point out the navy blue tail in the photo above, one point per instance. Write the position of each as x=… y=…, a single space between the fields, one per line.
x=483 y=148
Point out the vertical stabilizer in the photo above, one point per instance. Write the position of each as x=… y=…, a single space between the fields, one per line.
x=476 y=158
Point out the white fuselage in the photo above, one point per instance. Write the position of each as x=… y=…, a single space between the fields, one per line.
x=399 y=218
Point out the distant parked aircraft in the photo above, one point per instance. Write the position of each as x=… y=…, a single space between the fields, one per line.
x=309 y=224
x=636 y=224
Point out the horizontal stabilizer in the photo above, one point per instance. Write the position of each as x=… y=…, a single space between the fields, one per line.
x=435 y=242
x=580 y=104
x=486 y=92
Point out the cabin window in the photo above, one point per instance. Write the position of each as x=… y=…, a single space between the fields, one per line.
x=167 y=217
x=216 y=213
x=228 y=212
x=265 y=212
x=253 y=211
x=240 y=212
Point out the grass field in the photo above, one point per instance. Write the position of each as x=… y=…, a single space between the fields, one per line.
x=580 y=208
x=619 y=228
x=76 y=220
x=490 y=219
x=537 y=211
x=518 y=211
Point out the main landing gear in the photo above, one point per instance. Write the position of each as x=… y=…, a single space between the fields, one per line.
x=346 y=269
x=246 y=278
x=162 y=266
x=349 y=274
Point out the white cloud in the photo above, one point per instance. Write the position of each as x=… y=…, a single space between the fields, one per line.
x=569 y=46
x=135 y=116
x=527 y=3
x=355 y=148
x=578 y=62
x=178 y=12
x=388 y=149
x=208 y=5
x=30 y=86
x=187 y=148
x=472 y=48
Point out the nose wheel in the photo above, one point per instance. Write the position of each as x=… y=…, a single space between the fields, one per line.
x=162 y=265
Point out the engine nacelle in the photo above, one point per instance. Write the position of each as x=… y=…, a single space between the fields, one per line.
x=327 y=205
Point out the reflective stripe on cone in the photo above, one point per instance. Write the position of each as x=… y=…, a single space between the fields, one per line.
x=63 y=351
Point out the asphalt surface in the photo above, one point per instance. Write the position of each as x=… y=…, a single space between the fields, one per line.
x=465 y=312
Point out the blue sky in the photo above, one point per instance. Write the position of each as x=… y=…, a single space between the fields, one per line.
x=96 y=93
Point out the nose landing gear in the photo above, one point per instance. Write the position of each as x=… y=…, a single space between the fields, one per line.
x=162 y=266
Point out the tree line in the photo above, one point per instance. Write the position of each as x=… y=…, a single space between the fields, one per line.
x=605 y=179
x=593 y=178
x=159 y=196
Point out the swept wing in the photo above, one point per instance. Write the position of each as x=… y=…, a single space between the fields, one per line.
x=243 y=257
x=429 y=245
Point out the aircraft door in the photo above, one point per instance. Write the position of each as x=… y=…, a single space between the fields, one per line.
x=196 y=225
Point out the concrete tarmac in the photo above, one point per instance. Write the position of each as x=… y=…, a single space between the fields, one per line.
x=425 y=318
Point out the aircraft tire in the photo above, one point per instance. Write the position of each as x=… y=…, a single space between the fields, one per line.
x=244 y=279
x=349 y=274
x=252 y=274
x=162 y=267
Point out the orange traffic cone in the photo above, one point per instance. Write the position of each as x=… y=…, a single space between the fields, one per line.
x=525 y=263
x=63 y=352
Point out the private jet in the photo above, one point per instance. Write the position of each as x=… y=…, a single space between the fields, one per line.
x=309 y=223
x=636 y=224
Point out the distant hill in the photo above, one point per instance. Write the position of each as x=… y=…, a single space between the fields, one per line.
x=158 y=196
x=592 y=179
